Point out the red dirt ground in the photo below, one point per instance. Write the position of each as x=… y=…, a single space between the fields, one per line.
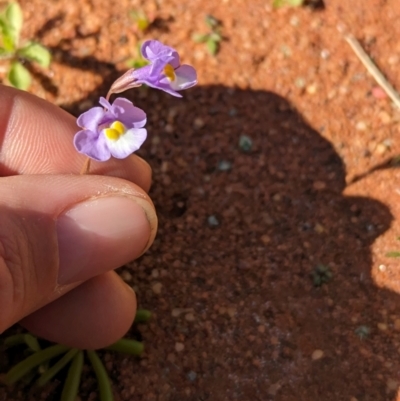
x=237 y=316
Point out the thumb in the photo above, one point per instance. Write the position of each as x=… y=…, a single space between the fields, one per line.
x=57 y=231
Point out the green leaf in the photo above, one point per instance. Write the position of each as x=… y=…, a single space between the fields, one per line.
x=212 y=47
x=22 y=368
x=19 y=76
x=393 y=254
x=142 y=316
x=215 y=36
x=199 y=38
x=36 y=52
x=71 y=385
x=127 y=346
x=14 y=20
x=102 y=377
x=291 y=3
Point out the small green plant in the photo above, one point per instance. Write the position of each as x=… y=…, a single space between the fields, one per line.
x=213 y=38
x=363 y=332
x=38 y=362
x=290 y=3
x=142 y=21
x=16 y=53
x=137 y=61
x=322 y=274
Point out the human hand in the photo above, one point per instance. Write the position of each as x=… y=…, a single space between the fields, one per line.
x=63 y=234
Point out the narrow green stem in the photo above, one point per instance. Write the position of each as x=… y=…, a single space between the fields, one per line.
x=71 y=385
x=127 y=346
x=22 y=368
x=50 y=373
x=102 y=377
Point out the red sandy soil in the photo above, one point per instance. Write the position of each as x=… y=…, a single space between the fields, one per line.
x=236 y=313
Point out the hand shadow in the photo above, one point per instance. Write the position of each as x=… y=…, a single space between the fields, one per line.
x=241 y=237
x=245 y=274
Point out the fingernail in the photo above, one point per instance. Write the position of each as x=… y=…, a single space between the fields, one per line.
x=99 y=235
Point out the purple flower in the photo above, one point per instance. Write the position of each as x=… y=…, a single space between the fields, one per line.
x=164 y=71
x=115 y=130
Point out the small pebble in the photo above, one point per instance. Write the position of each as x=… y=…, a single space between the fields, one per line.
x=317 y=354
x=224 y=165
x=192 y=376
x=157 y=287
x=189 y=317
x=212 y=221
x=179 y=347
x=392 y=385
x=198 y=123
x=361 y=126
x=312 y=89
x=379 y=93
x=382 y=326
x=397 y=324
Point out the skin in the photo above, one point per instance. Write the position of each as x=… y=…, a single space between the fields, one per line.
x=39 y=170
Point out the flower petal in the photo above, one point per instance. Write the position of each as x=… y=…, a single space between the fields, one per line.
x=127 y=143
x=92 y=145
x=90 y=119
x=128 y=114
x=186 y=77
x=153 y=50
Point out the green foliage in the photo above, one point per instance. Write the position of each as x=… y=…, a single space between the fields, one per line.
x=19 y=76
x=393 y=254
x=290 y=3
x=138 y=61
x=322 y=274
x=141 y=19
x=11 y=22
x=39 y=361
x=211 y=39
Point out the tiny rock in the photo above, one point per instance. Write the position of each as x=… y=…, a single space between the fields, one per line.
x=179 y=347
x=318 y=185
x=397 y=324
x=317 y=354
x=198 y=123
x=157 y=287
x=392 y=385
x=189 y=317
x=361 y=126
x=382 y=326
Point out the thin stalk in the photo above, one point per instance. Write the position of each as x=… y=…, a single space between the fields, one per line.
x=142 y=316
x=71 y=385
x=86 y=167
x=50 y=373
x=102 y=377
x=22 y=368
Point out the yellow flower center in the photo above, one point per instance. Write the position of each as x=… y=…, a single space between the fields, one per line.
x=169 y=72
x=115 y=130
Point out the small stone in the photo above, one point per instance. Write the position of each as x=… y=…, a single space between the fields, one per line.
x=385 y=117
x=379 y=93
x=381 y=149
x=126 y=276
x=397 y=324
x=382 y=326
x=213 y=221
x=176 y=312
x=318 y=185
x=319 y=228
x=274 y=388
x=392 y=385
x=325 y=54
x=179 y=347
x=224 y=165
x=190 y=317
x=157 y=287
x=192 y=376
x=265 y=239
x=198 y=123
x=382 y=268
x=312 y=89
x=361 y=126
x=261 y=329
x=300 y=82
x=155 y=273
x=317 y=354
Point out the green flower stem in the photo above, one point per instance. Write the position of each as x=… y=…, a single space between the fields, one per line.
x=142 y=316
x=50 y=373
x=102 y=377
x=27 y=339
x=127 y=346
x=71 y=385
x=22 y=368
